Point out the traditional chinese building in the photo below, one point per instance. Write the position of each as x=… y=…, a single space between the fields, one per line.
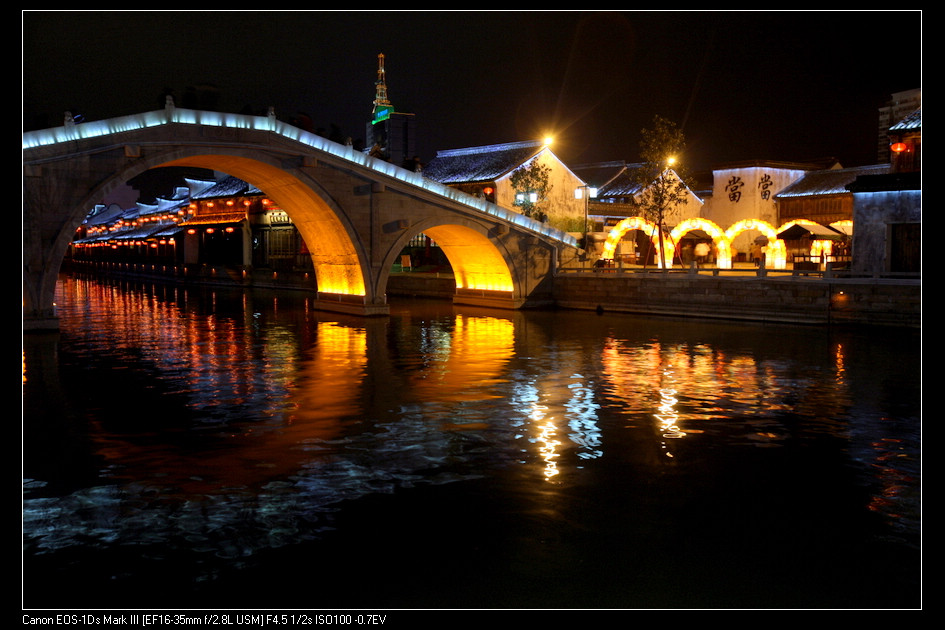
x=486 y=171
x=887 y=207
x=615 y=186
x=905 y=143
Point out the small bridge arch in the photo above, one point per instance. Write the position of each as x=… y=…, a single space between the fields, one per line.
x=476 y=254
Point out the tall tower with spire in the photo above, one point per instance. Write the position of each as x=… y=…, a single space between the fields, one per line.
x=382 y=106
x=390 y=134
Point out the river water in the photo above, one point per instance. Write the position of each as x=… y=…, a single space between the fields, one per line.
x=201 y=448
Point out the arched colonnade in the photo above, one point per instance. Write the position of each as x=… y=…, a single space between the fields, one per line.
x=775 y=258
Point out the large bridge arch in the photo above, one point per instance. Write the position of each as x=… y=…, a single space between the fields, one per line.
x=339 y=261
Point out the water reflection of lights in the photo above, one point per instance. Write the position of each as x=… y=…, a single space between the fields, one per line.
x=841 y=370
x=582 y=418
x=548 y=448
x=547 y=442
x=668 y=416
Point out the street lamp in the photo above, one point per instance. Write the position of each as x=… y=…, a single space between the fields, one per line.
x=579 y=193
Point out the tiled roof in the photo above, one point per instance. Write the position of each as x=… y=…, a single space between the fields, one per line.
x=829 y=181
x=623 y=185
x=479 y=164
x=162 y=205
x=612 y=179
x=227 y=187
x=599 y=174
x=912 y=122
x=104 y=215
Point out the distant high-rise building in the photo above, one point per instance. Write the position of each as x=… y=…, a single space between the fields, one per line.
x=900 y=105
x=390 y=134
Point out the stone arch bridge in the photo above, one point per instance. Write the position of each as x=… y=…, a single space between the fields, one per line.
x=354 y=212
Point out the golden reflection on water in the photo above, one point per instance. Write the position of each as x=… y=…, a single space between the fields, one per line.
x=668 y=416
x=467 y=362
x=329 y=383
x=689 y=387
x=548 y=448
x=212 y=358
x=547 y=440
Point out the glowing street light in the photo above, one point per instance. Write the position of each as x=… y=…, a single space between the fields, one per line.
x=579 y=193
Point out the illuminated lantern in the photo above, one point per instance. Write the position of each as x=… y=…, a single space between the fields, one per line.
x=898 y=147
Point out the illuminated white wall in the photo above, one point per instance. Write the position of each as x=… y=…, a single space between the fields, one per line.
x=747 y=193
x=561 y=201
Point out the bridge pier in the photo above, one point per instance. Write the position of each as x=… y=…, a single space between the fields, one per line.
x=349 y=304
x=38 y=322
x=498 y=299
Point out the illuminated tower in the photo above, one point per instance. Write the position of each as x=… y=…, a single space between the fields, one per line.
x=390 y=134
x=382 y=106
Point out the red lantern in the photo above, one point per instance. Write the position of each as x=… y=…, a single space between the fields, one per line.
x=898 y=147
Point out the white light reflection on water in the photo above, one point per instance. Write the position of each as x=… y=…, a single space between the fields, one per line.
x=582 y=410
x=668 y=416
x=548 y=448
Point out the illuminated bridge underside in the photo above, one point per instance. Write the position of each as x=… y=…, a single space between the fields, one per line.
x=335 y=258
x=355 y=213
x=477 y=264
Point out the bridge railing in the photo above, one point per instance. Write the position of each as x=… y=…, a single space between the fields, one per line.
x=830 y=271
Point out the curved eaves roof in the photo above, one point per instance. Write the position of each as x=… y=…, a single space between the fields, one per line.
x=830 y=181
x=479 y=164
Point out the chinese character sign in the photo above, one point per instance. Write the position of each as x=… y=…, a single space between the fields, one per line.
x=765 y=184
x=734 y=188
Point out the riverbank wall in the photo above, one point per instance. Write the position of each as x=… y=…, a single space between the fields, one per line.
x=785 y=299
x=796 y=299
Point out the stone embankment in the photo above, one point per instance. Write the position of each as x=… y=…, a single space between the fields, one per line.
x=785 y=299
x=789 y=298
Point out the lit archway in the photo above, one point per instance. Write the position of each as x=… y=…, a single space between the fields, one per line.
x=819 y=247
x=631 y=223
x=336 y=259
x=723 y=251
x=476 y=262
x=845 y=226
x=776 y=255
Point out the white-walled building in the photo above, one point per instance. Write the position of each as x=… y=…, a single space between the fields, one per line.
x=486 y=171
x=747 y=191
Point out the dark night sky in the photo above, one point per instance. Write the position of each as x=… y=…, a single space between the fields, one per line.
x=781 y=85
